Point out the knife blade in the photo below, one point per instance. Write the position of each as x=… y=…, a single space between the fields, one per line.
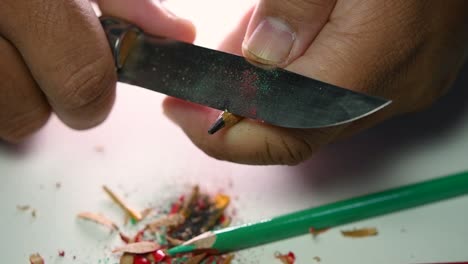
x=230 y=83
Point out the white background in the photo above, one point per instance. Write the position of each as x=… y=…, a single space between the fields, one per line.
x=149 y=159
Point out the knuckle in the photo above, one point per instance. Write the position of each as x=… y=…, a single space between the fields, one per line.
x=87 y=85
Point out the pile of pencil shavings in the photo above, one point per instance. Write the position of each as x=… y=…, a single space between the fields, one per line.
x=187 y=217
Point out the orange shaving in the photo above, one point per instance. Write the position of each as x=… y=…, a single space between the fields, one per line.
x=118 y=200
x=221 y=201
x=363 y=232
x=228 y=259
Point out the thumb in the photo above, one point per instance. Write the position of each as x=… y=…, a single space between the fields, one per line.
x=280 y=31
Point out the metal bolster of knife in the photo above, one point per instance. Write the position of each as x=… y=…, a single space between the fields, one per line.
x=121 y=36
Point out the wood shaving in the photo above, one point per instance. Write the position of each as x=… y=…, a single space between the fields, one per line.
x=146 y=212
x=36 y=259
x=99 y=219
x=23 y=207
x=174 y=241
x=185 y=211
x=118 y=200
x=125 y=238
x=33 y=213
x=196 y=259
x=228 y=259
x=126 y=259
x=167 y=221
x=221 y=201
x=316 y=232
x=317 y=258
x=142 y=247
x=363 y=232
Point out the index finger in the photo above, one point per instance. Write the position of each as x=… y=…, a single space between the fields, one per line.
x=67 y=52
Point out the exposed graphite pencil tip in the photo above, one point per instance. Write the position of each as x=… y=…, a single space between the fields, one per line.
x=217 y=125
x=225 y=119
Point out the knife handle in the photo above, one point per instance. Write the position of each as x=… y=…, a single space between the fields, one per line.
x=121 y=36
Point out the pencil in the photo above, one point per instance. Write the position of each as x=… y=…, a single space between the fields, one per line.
x=225 y=120
x=327 y=216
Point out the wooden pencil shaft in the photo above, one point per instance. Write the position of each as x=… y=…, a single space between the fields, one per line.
x=339 y=213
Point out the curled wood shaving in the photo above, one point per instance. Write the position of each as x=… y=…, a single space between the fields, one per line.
x=167 y=221
x=118 y=200
x=363 y=232
x=36 y=259
x=142 y=247
x=98 y=218
x=126 y=259
x=196 y=259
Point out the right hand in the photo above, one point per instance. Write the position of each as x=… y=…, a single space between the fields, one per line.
x=54 y=56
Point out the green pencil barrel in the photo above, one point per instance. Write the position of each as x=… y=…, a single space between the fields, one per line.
x=341 y=212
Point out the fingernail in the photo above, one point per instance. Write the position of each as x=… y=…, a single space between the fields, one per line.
x=271 y=42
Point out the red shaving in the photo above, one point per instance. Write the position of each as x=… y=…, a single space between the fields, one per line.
x=61 y=253
x=140 y=260
x=201 y=204
x=289 y=258
x=175 y=208
x=182 y=198
x=139 y=236
x=159 y=255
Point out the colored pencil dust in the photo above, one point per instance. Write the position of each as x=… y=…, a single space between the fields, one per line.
x=187 y=217
x=225 y=120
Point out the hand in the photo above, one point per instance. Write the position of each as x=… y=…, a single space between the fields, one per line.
x=54 y=56
x=409 y=51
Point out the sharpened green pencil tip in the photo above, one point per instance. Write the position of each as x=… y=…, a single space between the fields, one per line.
x=181 y=249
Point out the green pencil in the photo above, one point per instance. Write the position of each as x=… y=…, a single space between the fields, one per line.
x=326 y=216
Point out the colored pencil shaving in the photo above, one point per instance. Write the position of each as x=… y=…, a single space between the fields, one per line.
x=289 y=258
x=36 y=259
x=99 y=219
x=187 y=217
x=118 y=200
x=363 y=232
x=316 y=232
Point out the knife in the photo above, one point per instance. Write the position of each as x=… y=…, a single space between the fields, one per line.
x=230 y=83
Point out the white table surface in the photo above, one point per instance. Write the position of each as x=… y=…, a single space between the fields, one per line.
x=148 y=158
